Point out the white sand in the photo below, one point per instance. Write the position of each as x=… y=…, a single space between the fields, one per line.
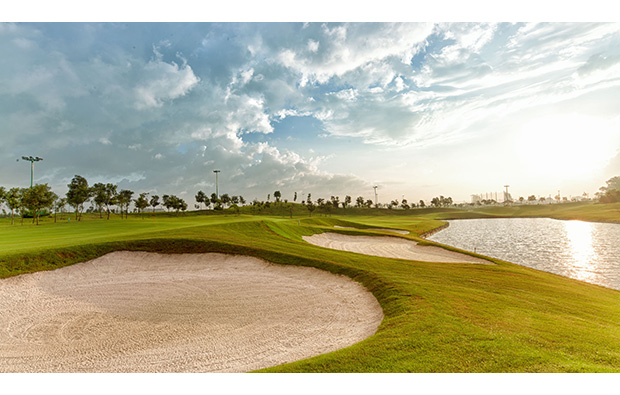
x=402 y=232
x=390 y=247
x=144 y=312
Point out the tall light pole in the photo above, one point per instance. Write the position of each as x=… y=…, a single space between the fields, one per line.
x=216 y=190
x=376 y=202
x=31 y=160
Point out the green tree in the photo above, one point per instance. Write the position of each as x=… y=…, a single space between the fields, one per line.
x=295 y=197
x=277 y=195
x=200 y=197
x=347 y=201
x=110 y=197
x=59 y=206
x=124 y=200
x=181 y=205
x=217 y=203
x=613 y=183
x=166 y=202
x=175 y=203
x=225 y=199
x=611 y=192
x=422 y=204
x=359 y=201
x=335 y=201
x=13 y=201
x=310 y=206
x=37 y=198
x=142 y=202
x=154 y=202
x=100 y=194
x=2 y=193
x=78 y=193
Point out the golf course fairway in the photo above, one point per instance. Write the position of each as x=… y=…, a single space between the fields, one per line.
x=437 y=317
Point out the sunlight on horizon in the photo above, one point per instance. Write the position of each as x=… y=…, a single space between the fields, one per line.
x=567 y=145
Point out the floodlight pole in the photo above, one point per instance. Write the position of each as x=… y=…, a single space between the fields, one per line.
x=31 y=160
x=216 y=188
x=376 y=202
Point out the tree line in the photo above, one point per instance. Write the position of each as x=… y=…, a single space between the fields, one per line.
x=36 y=200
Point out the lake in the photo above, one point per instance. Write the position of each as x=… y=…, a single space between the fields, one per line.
x=587 y=251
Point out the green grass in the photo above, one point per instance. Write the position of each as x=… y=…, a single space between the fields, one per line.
x=438 y=317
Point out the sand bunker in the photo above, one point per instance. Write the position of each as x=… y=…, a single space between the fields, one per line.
x=144 y=312
x=402 y=232
x=390 y=247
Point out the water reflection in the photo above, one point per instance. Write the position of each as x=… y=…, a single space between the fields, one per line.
x=586 y=251
x=581 y=250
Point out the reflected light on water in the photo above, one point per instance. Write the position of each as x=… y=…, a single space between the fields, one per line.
x=581 y=251
x=586 y=251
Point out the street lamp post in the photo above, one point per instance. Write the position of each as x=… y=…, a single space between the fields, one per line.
x=375 y=187
x=216 y=190
x=31 y=160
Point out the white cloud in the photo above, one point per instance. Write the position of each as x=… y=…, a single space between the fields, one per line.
x=313 y=46
x=163 y=82
x=347 y=47
x=392 y=86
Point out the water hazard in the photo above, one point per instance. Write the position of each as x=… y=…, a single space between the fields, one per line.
x=586 y=251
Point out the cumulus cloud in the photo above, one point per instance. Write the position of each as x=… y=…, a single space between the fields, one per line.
x=163 y=82
x=344 y=48
x=158 y=106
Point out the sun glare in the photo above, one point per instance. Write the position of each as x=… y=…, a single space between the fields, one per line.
x=581 y=250
x=566 y=146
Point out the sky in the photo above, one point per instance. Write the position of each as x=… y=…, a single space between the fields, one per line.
x=332 y=109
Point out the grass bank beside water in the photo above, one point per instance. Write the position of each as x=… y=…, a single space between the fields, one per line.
x=438 y=317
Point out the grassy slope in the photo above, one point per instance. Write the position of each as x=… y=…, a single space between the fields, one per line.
x=438 y=317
